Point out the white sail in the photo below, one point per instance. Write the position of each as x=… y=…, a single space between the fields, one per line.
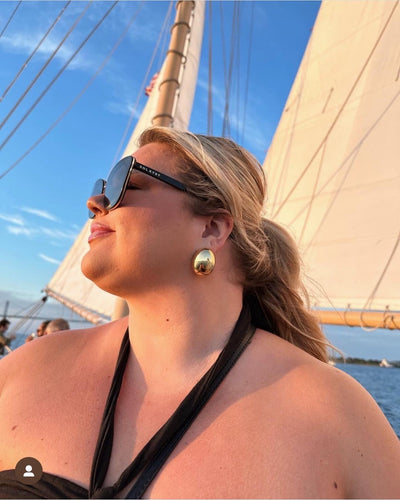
x=69 y=285
x=333 y=166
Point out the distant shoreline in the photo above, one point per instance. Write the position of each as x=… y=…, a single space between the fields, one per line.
x=361 y=361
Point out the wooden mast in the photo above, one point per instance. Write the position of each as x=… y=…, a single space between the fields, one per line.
x=169 y=86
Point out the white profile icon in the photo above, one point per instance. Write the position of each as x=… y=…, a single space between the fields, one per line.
x=28 y=473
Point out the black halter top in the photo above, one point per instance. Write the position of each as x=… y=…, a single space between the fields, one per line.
x=154 y=454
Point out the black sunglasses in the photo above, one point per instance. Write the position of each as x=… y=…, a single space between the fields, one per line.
x=117 y=182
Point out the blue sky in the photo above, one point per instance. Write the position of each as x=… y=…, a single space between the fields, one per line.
x=42 y=199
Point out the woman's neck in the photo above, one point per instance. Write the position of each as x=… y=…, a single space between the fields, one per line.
x=177 y=334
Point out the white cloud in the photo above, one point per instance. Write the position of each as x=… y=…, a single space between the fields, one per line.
x=58 y=234
x=121 y=108
x=14 y=219
x=21 y=43
x=18 y=230
x=19 y=226
x=40 y=213
x=49 y=259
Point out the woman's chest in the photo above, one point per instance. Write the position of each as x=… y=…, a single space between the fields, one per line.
x=56 y=423
x=236 y=455
x=235 y=448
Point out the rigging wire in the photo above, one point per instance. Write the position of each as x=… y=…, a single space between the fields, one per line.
x=350 y=157
x=44 y=67
x=71 y=105
x=238 y=73
x=332 y=201
x=25 y=64
x=144 y=83
x=313 y=194
x=10 y=18
x=247 y=74
x=296 y=101
x=23 y=310
x=383 y=273
x=165 y=38
x=226 y=127
x=223 y=44
x=227 y=72
x=57 y=75
x=210 y=75
x=29 y=315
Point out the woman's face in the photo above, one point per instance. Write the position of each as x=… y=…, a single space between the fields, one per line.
x=149 y=240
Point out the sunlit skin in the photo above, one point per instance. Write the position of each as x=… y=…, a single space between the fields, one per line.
x=281 y=425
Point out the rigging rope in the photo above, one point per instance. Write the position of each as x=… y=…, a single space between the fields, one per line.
x=29 y=315
x=58 y=75
x=9 y=20
x=228 y=82
x=386 y=267
x=34 y=51
x=236 y=61
x=165 y=36
x=223 y=45
x=313 y=194
x=351 y=156
x=334 y=197
x=210 y=75
x=71 y=105
x=346 y=100
x=44 y=67
x=247 y=74
x=236 y=35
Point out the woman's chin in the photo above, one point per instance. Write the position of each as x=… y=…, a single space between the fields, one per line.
x=93 y=269
x=99 y=272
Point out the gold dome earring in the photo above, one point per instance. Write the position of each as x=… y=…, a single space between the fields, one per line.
x=203 y=262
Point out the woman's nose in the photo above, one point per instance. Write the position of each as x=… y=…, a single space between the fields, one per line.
x=97 y=204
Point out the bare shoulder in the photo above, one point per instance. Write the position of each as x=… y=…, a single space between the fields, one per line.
x=56 y=382
x=326 y=412
x=47 y=354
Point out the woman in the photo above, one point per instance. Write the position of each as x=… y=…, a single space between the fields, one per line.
x=270 y=418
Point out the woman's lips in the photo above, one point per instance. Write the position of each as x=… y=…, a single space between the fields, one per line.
x=98 y=230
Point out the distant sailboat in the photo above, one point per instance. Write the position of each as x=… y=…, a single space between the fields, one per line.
x=332 y=168
x=385 y=363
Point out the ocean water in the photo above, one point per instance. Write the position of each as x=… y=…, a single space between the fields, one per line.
x=384 y=386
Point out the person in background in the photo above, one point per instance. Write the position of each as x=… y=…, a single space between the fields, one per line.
x=4 y=325
x=56 y=325
x=39 y=331
x=5 y=339
x=217 y=383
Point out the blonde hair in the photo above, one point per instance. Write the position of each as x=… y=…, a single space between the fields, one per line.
x=223 y=176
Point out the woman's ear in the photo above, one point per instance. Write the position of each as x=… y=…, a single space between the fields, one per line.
x=217 y=230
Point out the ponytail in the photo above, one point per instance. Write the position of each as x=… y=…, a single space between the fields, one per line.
x=279 y=301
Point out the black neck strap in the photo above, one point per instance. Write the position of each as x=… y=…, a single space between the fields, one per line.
x=154 y=454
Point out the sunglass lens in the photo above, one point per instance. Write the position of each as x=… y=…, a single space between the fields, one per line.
x=98 y=188
x=113 y=189
x=116 y=181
